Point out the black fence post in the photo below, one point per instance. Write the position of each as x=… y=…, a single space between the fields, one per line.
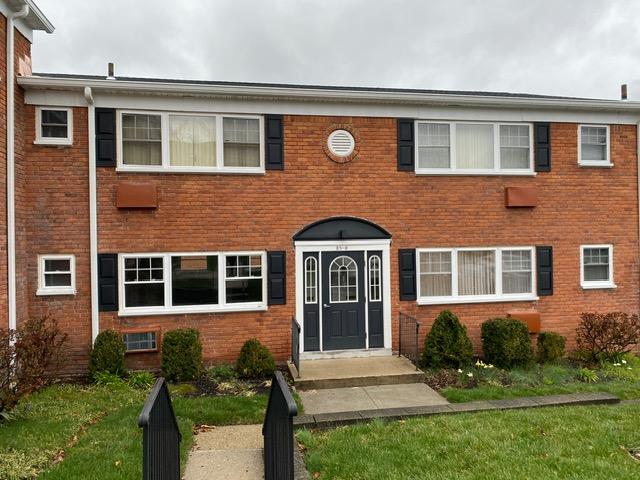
x=160 y=436
x=277 y=431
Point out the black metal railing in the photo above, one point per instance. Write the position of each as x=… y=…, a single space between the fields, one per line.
x=409 y=343
x=277 y=431
x=295 y=344
x=161 y=436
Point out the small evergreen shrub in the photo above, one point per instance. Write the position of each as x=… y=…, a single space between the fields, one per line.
x=506 y=343
x=550 y=347
x=181 y=355
x=107 y=354
x=447 y=345
x=255 y=360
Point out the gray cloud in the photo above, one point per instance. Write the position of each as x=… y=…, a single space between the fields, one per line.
x=569 y=47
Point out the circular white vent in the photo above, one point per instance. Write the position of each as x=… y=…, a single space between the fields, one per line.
x=341 y=143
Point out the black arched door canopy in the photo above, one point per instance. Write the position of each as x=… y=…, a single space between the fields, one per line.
x=342 y=228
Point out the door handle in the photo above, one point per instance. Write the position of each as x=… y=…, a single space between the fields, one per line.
x=325 y=305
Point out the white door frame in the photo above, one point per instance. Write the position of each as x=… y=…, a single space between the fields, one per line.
x=384 y=246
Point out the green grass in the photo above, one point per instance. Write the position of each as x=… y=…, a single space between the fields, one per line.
x=95 y=430
x=564 y=442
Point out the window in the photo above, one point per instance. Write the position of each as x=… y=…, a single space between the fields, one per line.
x=597 y=266
x=593 y=145
x=474 y=148
x=140 y=341
x=54 y=126
x=56 y=275
x=192 y=282
x=191 y=142
x=467 y=275
x=311 y=280
x=343 y=280
x=375 y=294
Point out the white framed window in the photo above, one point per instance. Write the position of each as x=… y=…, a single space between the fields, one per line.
x=343 y=280
x=375 y=286
x=596 y=266
x=594 y=147
x=311 y=280
x=190 y=142
x=140 y=341
x=474 y=148
x=54 y=126
x=202 y=282
x=56 y=275
x=475 y=275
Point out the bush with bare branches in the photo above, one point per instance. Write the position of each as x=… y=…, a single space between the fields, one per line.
x=603 y=336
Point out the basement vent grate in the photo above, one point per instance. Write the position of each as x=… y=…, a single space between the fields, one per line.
x=341 y=143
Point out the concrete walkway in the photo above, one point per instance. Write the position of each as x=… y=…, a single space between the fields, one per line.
x=351 y=399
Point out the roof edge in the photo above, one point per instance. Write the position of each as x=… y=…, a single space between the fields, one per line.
x=45 y=23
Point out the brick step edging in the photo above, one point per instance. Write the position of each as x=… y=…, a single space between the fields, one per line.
x=332 y=420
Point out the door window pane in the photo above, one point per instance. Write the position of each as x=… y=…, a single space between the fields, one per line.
x=311 y=280
x=476 y=273
x=141 y=139
x=435 y=274
x=192 y=141
x=343 y=280
x=194 y=280
x=241 y=142
x=375 y=293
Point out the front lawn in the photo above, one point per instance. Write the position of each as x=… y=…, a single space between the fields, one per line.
x=564 y=442
x=91 y=432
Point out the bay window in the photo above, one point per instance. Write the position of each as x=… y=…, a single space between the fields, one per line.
x=466 y=275
x=192 y=282
x=474 y=148
x=186 y=142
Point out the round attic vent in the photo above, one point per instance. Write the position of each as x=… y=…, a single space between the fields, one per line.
x=341 y=143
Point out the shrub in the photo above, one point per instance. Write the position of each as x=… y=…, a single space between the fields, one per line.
x=550 y=347
x=223 y=372
x=107 y=354
x=603 y=336
x=255 y=360
x=506 y=342
x=181 y=355
x=447 y=344
x=29 y=359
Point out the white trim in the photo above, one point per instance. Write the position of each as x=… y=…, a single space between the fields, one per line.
x=453 y=170
x=319 y=246
x=66 y=141
x=168 y=308
x=166 y=167
x=67 y=290
x=606 y=163
x=93 y=216
x=600 y=284
x=454 y=298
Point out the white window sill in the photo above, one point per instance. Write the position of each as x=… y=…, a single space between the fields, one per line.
x=496 y=173
x=214 y=171
x=55 y=291
x=598 y=285
x=50 y=142
x=246 y=307
x=463 y=300
x=595 y=163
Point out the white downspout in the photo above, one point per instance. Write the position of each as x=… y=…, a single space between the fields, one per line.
x=11 y=154
x=93 y=219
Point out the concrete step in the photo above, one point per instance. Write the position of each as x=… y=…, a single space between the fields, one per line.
x=355 y=372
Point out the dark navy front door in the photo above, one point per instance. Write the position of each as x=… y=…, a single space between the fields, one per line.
x=343 y=300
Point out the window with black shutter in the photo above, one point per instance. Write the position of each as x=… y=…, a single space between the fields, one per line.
x=407 y=265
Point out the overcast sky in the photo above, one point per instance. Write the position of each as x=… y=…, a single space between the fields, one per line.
x=564 y=47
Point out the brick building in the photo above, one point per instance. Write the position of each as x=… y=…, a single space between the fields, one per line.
x=148 y=204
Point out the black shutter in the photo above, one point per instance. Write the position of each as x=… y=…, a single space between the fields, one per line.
x=542 y=152
x=107 y=282
x=407 y=264
x=105 y=137
x=544 y=261
x=274 y=137
x=276 y=278
x=405 y=144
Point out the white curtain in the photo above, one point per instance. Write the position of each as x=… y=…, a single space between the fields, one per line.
x=435 y=274
x=241 y=142
x=474 y=146
x=193 y=141
x=476 y=273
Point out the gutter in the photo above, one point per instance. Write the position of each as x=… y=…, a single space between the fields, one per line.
x=11 y=156
x=318 y=94
x=93 y=218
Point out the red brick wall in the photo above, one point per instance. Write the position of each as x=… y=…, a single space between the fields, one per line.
x=222 y=212
x=4 y=306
